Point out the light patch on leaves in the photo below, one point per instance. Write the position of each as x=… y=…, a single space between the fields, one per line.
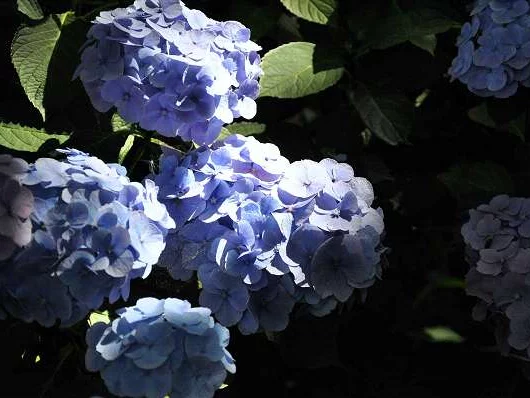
x=96 y=317
x=30 y=8
x=442 y=334
x=289 y=71
x=23 y=138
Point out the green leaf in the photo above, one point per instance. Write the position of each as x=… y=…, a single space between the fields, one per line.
x=30 y=8
x=243 y=128
x=427 y=43
x=318 y=11
x=119 y=125
x=158 y=142
x=420 y=99
x=475 y=178
x=31 y=52
x=28 y=139
x=479 y=114
x=292 y=71
x=126 y=147
x=406 y=26
x=96 y=317
x=442 y=334
x=517 y=126
x=224 y=133
x=387 y=116
x=246 y=128
x=146 y=138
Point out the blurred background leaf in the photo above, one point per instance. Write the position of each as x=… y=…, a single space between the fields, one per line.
x=389 y=117
x=442 y=334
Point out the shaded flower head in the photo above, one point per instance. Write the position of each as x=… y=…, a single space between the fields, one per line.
x=158 y=348
x=494 y=48
x=89 y=227
x=497 y=238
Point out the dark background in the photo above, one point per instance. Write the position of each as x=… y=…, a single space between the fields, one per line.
x=373 y=349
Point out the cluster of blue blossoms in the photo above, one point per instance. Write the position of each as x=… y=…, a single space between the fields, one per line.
x=171 y=68
x=160 y=348
x=16 y=206
x=263 y=233
x=494 y=48
x=498 y=245
x=77 y=232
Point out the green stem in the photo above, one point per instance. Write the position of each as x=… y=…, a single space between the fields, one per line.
x=140 y=153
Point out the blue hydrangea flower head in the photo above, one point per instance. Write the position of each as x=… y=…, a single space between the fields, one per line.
x=497 y=238
x=158 y=348
x=494 y=48
x=171 y=69
x=84 y=232
x=16 y=206
x=343 y=263
x=263 y=234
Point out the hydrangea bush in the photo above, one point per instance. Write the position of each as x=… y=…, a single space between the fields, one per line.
x=256 y=242
x=77 y=232
x=160 y=348
x=498 y=242
x=263 y=233
x=494 y=48
x=171 y=69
